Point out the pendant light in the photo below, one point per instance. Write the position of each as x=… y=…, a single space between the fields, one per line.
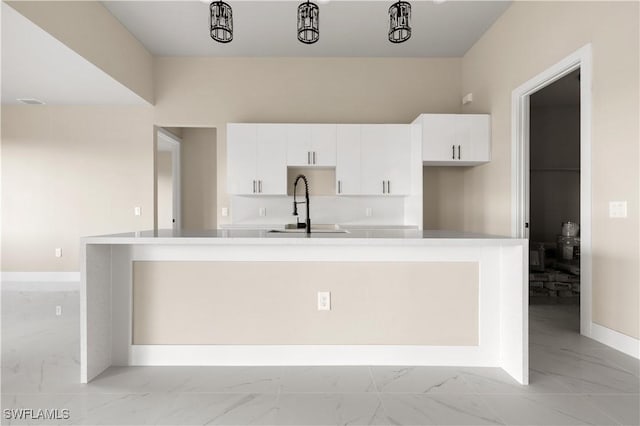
x=399 y=17
x=221 y=22
x=308 y=22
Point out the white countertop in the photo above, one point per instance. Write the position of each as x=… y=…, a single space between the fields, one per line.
x=264 y=237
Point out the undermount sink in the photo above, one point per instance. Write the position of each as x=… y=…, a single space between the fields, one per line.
x=315 y=229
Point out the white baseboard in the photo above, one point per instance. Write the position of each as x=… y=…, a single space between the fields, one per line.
x=40 y=281
x=616 y=340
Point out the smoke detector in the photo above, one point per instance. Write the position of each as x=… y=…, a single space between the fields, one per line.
x=30 y=101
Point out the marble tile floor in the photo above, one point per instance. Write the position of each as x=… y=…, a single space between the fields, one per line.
x=574 y=381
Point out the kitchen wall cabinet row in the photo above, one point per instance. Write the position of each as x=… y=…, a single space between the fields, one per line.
x=455 y=139
x=370 y=159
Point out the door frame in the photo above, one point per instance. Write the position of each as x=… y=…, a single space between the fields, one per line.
x=173 y=143
x=520 y=191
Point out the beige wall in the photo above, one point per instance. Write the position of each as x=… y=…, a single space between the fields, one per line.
x=69 y=172
x=528 y=38
x=215 y=91
x=429 y=303
x=164 y=189
x=88 y=28
x=198 y=178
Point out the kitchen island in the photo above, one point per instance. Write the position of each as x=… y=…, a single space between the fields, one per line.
x=254 y=297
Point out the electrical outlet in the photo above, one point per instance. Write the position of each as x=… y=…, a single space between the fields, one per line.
x=368 y=212
x=617 y=209
x=262 y=211
x=324 y=301
x=58 y=310
x=225 y=211
x=137 y=211
x=58 y=252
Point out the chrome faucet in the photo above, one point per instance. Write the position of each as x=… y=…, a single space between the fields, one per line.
x=306 y=201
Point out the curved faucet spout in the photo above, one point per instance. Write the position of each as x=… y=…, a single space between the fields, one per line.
x=306 y=200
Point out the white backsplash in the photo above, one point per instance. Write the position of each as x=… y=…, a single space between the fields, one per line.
x=245 y=210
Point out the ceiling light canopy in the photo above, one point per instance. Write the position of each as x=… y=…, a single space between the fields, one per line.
x=308 y=22
x=399 y=22
x=221 y=22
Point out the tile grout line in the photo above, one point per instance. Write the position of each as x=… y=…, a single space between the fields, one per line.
x=615 y=422
x=377 y=392
x=482 y=399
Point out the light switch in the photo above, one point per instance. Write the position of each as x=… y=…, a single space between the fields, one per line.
x=225 y=211
x=262 y=211
x=58 y=252
x=368 y=212
x=58 y=310
x=617 y=209
x=137 y=211
x=324 y=301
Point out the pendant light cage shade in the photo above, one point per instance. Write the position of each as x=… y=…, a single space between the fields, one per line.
x=308 y=22
x=221 y=21
x=399 y=22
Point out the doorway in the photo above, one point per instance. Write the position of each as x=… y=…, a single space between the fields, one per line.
x=168 y=209
x=578 y=63
x=554 y=196
x=185 y=188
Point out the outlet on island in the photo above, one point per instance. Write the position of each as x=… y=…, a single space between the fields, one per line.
x=324 y=301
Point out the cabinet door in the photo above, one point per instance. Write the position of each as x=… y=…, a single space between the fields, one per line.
x=241 y=158
x=298 y=144
x=439 y=138
x=271 y=170
x=348 y=159
x=397 y=149
x=323 y=145
x=373 y=159
x=473 y=137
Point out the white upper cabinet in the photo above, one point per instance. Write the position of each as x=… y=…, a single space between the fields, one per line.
x=256 y=159
x=323 y=144
x=348 y=159
x=311 y=145
x=298 y=144
x=271 y=168
x=455 y=139
x=385 y=159
x=241 y=158
x=370 y=159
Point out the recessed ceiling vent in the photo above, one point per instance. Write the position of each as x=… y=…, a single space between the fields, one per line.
x=30 y=101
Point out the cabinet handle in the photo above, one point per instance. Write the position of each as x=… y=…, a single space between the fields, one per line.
x=384 y=187
x=254 y=186
x=339 y=187
x=388 y=187
x=260 y=186
x=308 y=157
x=458 y=152
x=314 y=157
x=453 y=152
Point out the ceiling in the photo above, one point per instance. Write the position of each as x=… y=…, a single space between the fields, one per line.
x=36 y=65
x=268 y=28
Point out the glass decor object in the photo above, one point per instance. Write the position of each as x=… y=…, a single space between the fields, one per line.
x=221 y=22
x=399 y=17
x=308 y=22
